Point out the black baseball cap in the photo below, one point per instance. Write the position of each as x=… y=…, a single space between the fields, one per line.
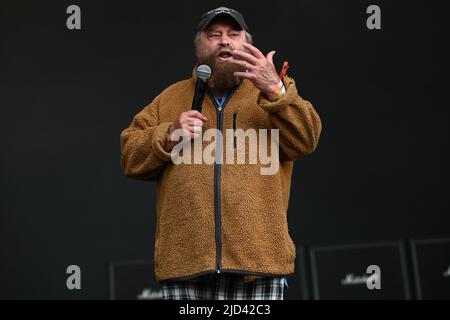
x=208 y=16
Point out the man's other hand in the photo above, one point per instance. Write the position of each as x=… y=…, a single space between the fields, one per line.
x=191 y=123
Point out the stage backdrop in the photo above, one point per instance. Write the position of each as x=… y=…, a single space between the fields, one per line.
x=380 y=171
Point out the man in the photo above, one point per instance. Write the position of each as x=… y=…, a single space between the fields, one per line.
x=221 y=228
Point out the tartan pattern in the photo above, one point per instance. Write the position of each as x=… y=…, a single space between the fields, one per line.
x=224 y=287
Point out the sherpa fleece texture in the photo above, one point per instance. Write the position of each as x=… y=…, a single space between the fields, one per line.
x=254 y=235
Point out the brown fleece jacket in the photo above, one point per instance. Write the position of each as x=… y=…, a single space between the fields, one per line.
x=221 y=217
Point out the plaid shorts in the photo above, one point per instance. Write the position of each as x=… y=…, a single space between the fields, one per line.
x=224 y=286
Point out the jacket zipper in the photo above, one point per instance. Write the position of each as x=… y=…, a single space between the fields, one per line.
x=217 y=173
x=234 y=129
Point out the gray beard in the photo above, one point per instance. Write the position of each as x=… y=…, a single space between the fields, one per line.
x=222 y=72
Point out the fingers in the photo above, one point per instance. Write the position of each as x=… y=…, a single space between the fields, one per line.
x=191 y=117
x=249 y=66
x=194 y=127
x=242 y=63
x=245 y=75
x=190 y=124
x=252 y=59
x=270 y=55
x=245 y=56
x=260 y=69
x=253 y=50
x=193 y=122
x=191 y=134
x=187 y=133
x=195 y=114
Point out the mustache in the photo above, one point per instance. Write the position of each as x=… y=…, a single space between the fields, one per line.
x=221 y=50
x=218 y=52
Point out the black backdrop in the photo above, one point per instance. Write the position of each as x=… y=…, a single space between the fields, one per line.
x=380 y=172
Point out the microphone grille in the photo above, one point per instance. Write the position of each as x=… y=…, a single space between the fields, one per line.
x=203 y=72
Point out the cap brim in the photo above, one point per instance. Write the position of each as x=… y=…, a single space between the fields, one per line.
x=204 y=24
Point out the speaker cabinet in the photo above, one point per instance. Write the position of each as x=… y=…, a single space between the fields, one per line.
x=133 y=280
x=431 y=264
x=298 y=282
x=361 y=271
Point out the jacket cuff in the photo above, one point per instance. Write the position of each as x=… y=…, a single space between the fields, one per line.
x=159 y=139
x=278 y=105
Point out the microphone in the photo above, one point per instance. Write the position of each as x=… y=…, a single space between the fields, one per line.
x=203 y=74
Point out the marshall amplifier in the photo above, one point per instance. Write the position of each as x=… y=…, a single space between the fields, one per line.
x=297 y=282
x=431 y=263
x=363 y=271
x=133 y=279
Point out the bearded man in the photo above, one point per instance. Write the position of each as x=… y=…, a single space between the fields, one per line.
x=221 y=228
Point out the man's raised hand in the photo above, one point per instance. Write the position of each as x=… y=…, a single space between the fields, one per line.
x=260 y=69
